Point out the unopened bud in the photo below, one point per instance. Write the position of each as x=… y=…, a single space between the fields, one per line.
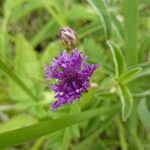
x=68 y=37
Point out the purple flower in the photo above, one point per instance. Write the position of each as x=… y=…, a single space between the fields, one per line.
x=73 y=77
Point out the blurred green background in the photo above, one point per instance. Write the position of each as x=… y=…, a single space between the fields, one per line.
x=115 y=34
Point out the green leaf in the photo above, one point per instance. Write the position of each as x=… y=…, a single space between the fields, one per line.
x=118 y=58
x=10 y=5
x=89 y=29
x=65 y=140
x=97 y=54
x=130 y=30
x=145 y=69
x=24 y=9
x=122 y=134
x=144 y=114
x=44 y=32
x=50 y=52
x=89 y=139
x=28 y=68
x=4 y=46
x=101 y=9
x=126 y=101
x=16 y=79
x=95 y=51
x=80 y=12
x=17 y=122
x=19 y=136
x=87 y=99
x=54 y=10
x=129 y=75
x=143 y=49
x=117 y=26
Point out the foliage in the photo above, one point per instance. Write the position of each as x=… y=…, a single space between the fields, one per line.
x=114 y=114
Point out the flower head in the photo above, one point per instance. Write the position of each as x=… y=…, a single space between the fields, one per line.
x=73 y=77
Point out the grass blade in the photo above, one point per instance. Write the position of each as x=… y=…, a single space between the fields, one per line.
x=145 y=70
x=130 y=29
x=144 y=114
x=101 y=9
x=44 y=32
x=97 y=132
x=19 y=136
x=23 y=10
x=130 y=75
x=49 y=5
x=117 y=26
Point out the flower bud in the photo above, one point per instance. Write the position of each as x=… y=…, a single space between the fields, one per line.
x=68 y=37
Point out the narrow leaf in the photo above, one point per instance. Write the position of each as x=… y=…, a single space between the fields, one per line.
x=89 y=29
x=145 y=69
x=117 y=26
x=101 y=9
x=17 y=122
x=93 y=135
x=122 y=134
x=143 y=49
x=51 y=6
x=144 y=114
x=130 y=75
x=118 y=59
x=126 y=101
x=130 y=29
x=44 y=32
x=19 y=136
x=80 y=12
x=23 y=10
